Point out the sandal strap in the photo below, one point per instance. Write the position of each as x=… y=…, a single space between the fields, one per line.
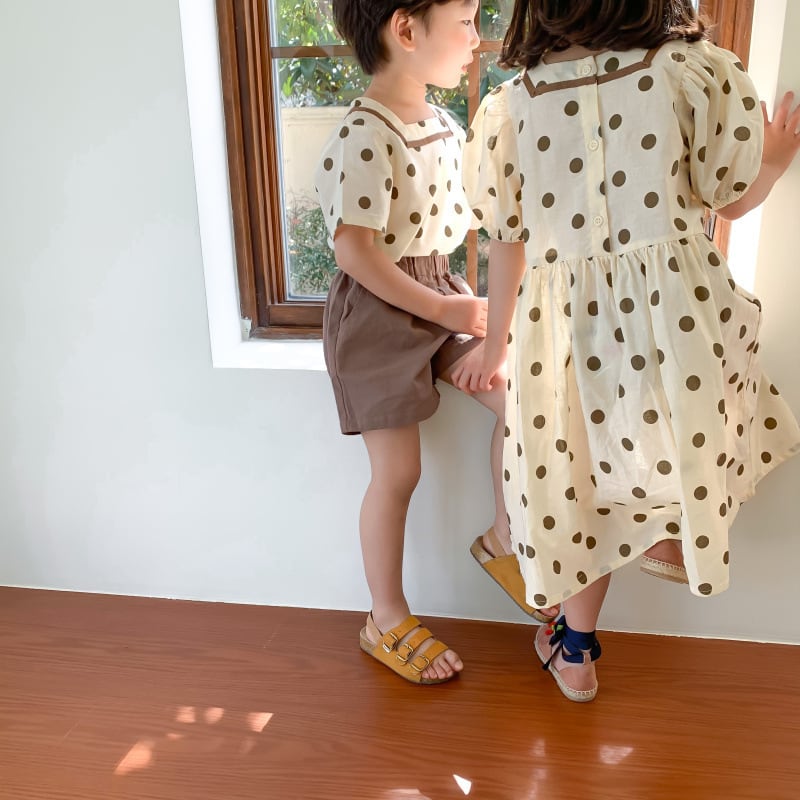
x=410 y=645
x=576 y=647
x=424 y=660
x=391 y=638
x=494 y=543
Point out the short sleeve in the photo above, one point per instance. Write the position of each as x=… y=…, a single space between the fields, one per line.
x=491 y=173
x=721 y=121
x=354 y=179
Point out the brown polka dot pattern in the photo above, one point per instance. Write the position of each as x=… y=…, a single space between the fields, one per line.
x=389 y=182
x=622 y=298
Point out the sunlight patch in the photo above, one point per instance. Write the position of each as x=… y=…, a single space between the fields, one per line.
x=186 y=714
x=138 y=757
x=258 y=720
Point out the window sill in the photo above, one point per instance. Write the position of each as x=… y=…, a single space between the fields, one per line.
x=292 y=354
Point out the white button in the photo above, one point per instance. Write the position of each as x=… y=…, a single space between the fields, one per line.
x=598 y=220
x=594 y=144
x=585 y=69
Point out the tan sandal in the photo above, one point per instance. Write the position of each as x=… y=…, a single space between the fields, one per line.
x=577 y=650
x=399 y=656
x=663 y=569
x=504 y=570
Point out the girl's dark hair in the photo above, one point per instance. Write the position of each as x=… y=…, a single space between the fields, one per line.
x=360 y=22
x=541 y=25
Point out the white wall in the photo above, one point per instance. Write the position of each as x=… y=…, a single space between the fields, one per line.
x=129 y=465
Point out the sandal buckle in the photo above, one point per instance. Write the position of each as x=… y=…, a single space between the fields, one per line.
x=421 y=657
x=403 y=659
x=388 y=647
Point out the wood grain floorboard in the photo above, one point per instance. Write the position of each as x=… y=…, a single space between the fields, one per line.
x=119 y=698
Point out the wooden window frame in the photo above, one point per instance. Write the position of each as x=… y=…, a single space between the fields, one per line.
x=253 y=158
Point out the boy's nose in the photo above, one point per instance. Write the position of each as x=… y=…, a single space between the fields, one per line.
x=476 y=39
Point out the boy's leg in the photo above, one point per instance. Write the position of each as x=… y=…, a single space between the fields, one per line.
x=394 y=456
x=495 y=401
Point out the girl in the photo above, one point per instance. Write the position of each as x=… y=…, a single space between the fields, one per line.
x=638 y=417
x=396 y=319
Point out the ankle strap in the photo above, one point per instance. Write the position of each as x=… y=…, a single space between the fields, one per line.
x=575 y=646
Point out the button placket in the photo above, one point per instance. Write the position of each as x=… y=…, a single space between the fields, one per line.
x=598 y=209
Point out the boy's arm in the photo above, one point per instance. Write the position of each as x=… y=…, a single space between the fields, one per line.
x=781 y=144
x=357 y=255
x=506 y=269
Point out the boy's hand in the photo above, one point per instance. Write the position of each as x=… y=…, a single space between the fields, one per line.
x=463 y=313
x=781 y=138
x=477 y=371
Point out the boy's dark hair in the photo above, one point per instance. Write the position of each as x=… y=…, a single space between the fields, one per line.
x=360 y=22
x=541 y=25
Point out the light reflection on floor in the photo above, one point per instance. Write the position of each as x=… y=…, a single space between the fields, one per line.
x=142 y=754
x=614 y=754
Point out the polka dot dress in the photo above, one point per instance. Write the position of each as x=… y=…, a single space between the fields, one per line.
x=637 y=409
x=396 y=178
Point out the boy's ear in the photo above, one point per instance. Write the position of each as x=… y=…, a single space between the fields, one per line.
x=401 y=29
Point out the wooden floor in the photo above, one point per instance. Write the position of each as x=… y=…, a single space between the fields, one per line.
x=113 y=697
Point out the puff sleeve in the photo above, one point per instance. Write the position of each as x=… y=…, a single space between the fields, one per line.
x=721 y=122
x=491 y=169
x=353 y=179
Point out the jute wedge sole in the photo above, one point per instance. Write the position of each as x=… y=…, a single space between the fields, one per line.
x=661 y=569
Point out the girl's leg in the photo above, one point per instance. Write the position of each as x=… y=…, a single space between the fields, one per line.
x=495 y=401
x=667 y=550
x=394 y=456
x=581 y=612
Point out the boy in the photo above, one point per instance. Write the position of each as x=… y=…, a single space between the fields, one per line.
x=390 y=188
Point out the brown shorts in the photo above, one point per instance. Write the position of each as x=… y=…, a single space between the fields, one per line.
x=382 y=360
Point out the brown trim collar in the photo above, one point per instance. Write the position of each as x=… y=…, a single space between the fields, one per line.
x=543 y=88
x=434 y=137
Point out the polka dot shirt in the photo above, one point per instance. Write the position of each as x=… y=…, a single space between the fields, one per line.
x=401 y=180
x=637 y=409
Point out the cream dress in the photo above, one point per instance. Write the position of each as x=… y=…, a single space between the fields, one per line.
x=637 y=409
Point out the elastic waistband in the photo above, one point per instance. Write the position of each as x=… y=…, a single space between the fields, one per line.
x=421 y=267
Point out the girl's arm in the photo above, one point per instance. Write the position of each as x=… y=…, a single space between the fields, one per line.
x=357 y=255
x=506 y=269
x=781 y=144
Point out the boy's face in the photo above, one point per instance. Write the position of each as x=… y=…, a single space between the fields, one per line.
x=445 y=45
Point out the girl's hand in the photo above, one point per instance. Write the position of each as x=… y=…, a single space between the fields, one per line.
x=477 y=371
x=781 y=143
x=463 y=313
x=781 y=136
